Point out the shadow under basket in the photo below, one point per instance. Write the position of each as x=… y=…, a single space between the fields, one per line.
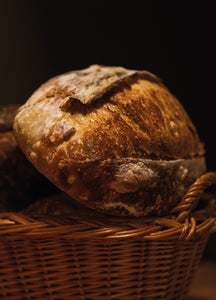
x=44 y=257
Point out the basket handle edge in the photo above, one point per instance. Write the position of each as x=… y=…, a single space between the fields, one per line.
x=193 y=195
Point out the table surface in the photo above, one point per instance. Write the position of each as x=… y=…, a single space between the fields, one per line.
x=204 y=283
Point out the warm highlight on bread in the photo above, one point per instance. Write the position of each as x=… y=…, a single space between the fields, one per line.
x=116 y=140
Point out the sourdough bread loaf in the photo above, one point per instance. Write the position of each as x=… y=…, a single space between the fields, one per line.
x=114 y=139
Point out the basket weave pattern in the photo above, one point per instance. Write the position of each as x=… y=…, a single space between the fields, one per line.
x=104 y=258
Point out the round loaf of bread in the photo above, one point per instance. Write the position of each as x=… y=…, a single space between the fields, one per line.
x=114 y=139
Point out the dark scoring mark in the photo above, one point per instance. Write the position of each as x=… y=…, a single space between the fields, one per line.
x=68 y=133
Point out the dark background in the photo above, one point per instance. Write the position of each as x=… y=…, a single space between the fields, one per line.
x=173 y=39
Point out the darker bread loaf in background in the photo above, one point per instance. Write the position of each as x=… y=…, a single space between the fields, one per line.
x=7 y=114
x=20 y=182
x=59 y=204
x=114 y=139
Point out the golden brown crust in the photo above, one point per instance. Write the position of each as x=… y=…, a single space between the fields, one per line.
x=136 y=118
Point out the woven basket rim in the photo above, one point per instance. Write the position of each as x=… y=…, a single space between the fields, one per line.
x=14 y=225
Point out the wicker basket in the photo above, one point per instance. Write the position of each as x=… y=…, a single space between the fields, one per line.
x=105 y=258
